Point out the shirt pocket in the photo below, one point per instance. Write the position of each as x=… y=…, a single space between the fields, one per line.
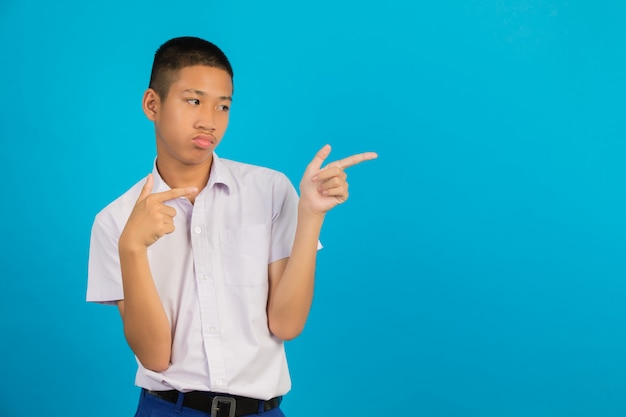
x=245 y=255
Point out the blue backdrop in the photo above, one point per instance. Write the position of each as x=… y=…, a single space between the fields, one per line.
x=478 y=268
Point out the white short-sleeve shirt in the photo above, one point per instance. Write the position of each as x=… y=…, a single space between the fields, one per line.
x=212 y=277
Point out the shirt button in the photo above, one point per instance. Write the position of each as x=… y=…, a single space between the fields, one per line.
x=212 y=330
x=197 y=229
x=219 y=382
x=205 y=277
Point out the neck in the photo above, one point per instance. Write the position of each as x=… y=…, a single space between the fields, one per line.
x=179 y=175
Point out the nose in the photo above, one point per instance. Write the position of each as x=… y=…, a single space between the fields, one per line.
x=206 y=120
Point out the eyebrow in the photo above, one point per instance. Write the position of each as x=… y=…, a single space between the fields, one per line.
x=202 y=93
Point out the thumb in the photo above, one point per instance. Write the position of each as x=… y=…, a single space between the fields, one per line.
x=147 y=188
x=319 y=159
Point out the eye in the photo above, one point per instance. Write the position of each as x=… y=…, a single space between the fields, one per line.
x=223 y=107
x=193 y=101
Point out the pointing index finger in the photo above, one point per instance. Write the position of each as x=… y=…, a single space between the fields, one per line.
x=355 y=159
x=175 y=193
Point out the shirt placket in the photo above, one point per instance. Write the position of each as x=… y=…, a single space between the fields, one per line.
x=202 y=241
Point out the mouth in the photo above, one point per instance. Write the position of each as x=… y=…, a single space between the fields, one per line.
x=203 y=141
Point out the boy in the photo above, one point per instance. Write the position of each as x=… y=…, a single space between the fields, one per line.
x=211 y=262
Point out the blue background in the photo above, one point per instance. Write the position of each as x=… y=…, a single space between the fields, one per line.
x=478 y=268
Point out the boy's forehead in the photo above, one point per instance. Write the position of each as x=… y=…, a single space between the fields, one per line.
x=201 y=79
x=204 y=71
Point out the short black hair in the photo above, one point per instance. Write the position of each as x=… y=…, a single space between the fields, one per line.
x=178 y=53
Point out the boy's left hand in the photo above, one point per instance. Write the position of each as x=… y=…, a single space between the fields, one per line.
x=321 y=189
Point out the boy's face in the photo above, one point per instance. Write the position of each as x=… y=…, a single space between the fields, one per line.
x=193 y=118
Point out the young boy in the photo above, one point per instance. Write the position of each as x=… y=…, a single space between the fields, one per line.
x=211 y=262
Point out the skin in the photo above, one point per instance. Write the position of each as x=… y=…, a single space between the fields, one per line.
x=189 y=123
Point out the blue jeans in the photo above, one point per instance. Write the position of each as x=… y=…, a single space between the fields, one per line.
x=151 y=406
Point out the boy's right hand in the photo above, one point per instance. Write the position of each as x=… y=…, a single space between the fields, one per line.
x=151 y=219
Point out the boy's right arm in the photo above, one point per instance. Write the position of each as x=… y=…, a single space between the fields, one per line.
x=146 y=326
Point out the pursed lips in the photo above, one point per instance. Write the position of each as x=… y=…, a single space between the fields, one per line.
x=203 y=141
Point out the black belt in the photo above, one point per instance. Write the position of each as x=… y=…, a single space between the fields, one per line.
x=219 y=405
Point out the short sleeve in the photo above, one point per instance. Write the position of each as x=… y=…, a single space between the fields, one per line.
x=285 y=218
x=104 y=283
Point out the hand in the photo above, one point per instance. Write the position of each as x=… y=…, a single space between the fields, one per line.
x=151 y=219
x=321 y=189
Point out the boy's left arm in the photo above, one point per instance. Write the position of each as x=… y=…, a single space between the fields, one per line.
x=291 y=280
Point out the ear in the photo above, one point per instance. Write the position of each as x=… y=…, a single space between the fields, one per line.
x=150 y=104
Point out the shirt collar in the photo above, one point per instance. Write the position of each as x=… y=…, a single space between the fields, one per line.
x=220 y=174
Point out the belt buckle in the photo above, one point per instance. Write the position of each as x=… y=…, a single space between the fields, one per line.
x=217 y=400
